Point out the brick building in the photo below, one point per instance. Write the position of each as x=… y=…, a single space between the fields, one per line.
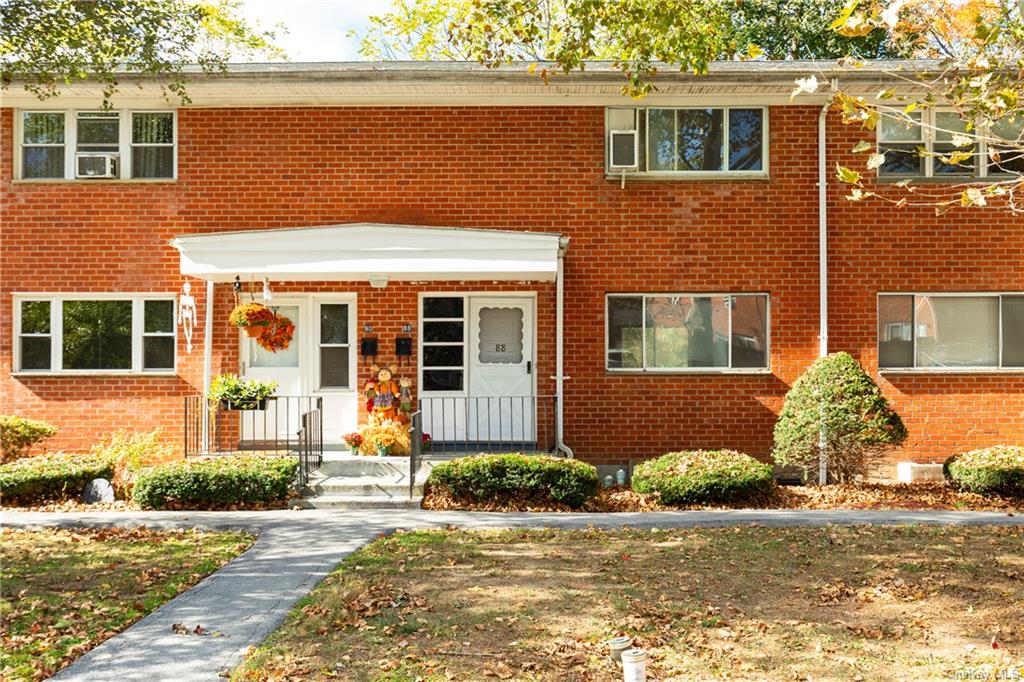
x=662 y=256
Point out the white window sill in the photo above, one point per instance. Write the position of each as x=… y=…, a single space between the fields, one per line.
x=97 y=181
x=689 y=176
x=97 y=373
x=954 y=370
x=685 y=372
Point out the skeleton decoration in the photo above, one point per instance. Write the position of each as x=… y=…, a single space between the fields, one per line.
x=187 y=314
x=267 y=295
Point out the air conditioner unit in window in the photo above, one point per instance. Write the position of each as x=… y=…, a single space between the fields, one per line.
x=97 y=165
x=623 y=150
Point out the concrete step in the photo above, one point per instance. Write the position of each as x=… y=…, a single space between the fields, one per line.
x=344 y=502
x=363 y=486
x=373 y=467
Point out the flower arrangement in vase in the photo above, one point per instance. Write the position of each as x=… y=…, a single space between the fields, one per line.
x=353 y=441
x=253 y=317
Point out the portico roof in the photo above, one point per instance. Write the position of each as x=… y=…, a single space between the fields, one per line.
x=371 y=252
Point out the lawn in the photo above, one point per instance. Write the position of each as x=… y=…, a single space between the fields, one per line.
x=64 y=591
x=743 y=603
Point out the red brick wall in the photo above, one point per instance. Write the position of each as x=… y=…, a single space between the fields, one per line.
x=517 y=168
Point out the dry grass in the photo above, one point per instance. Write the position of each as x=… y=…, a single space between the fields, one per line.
x=741 y=603
x=65 y=591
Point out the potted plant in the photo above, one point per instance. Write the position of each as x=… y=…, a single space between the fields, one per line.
x=234 y=393
x=252 y=317
x=426 y=442
x=353 y=441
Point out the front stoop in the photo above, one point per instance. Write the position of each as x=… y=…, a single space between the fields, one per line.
x=347 y=482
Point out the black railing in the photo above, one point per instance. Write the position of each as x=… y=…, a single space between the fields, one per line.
x=415 y=448
x=311 y=445
x=470 y=424
x=281 y=425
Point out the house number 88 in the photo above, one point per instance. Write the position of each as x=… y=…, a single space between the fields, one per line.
x=499 y=348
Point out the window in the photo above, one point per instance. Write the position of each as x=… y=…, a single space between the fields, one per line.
x=653 y=332
x=444 y=343
x=950 y=331
x=42 y=145
x=94 y=145
x=95 y=334
x=334 y=345
x=681 y=141
x=924 y=144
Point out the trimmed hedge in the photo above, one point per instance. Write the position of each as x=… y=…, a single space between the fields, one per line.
x=998 y=470
x=215 y=483
x=51 y=477
x=703 y=476
x=538 y=477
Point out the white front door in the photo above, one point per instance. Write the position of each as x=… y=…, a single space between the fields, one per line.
x=281 y=419
x=501 y=370
x=333 y=365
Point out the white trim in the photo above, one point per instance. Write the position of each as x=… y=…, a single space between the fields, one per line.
x=643 y=369
x=57 y=300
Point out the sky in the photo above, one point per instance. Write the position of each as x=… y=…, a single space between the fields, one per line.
x=316 y=29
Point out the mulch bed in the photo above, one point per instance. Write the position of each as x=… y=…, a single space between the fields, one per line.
x=123 y=505
x=881 y=496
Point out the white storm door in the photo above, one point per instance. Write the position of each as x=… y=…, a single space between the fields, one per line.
x=334 y=366
x=501 y=370
x=281 y=419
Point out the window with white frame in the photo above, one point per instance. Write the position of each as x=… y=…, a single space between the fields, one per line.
x=96 y=145
x=688 y=141
x=950 y=331
x=334 y=345
x=929 y=144
x=676 y=332
x=72 y=333
x=444 y=343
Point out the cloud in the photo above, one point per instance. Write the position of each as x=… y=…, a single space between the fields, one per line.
x=316 y=29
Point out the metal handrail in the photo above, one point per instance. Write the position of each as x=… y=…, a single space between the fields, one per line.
x=469 y=424
x=415 y=448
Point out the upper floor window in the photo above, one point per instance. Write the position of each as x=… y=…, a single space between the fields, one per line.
x=930 y=144
x=950 y=331
x=95 y=145
x=680 y=332
x=691 y=141
x=94 y=333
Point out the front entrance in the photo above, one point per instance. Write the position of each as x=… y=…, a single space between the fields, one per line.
x=319 y=363
x=478 y=370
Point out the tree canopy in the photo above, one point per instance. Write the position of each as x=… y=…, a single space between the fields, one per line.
x=49 y=43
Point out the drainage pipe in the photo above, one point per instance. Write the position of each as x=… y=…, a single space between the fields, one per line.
x=563 y=246
x=823 y=263
x=207 y=362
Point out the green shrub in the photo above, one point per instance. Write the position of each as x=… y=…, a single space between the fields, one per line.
x=539 y=478
x=18 y=435
x=703 y=477
x=997 y=470
x=242 y=394
x=50 y=477
x=128 y=452
x=216 y=483
x=835 y=398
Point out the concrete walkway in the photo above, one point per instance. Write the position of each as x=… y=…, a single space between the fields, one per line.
x=247 y=599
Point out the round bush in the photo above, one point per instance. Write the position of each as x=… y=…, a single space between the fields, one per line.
x=997 y=470
x=703 y=476
x=538 y=478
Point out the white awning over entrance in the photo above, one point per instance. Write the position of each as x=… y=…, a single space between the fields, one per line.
x=370 y=252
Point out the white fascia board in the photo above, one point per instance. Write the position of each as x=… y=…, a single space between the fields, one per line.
x=359 y=252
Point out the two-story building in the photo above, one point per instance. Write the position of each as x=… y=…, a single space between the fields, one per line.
x=553 y=263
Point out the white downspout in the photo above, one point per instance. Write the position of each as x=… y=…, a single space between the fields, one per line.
x=563 y=246
x=207 y=362
x=823 y=262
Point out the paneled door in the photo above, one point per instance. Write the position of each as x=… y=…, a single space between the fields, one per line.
x=501 y=370
x=284 y=367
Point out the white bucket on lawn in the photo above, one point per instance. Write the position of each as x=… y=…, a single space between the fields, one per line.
x=617 y=645
x=634 y=665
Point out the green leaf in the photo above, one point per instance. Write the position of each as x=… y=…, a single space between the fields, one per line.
x=847 y=175
x=862 y=146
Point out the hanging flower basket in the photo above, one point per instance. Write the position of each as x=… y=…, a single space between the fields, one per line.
x=277 y=335
x=254 y=318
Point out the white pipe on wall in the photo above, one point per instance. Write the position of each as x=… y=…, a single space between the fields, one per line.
x=823 y=263
x=563 y=245
x=207 y=361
